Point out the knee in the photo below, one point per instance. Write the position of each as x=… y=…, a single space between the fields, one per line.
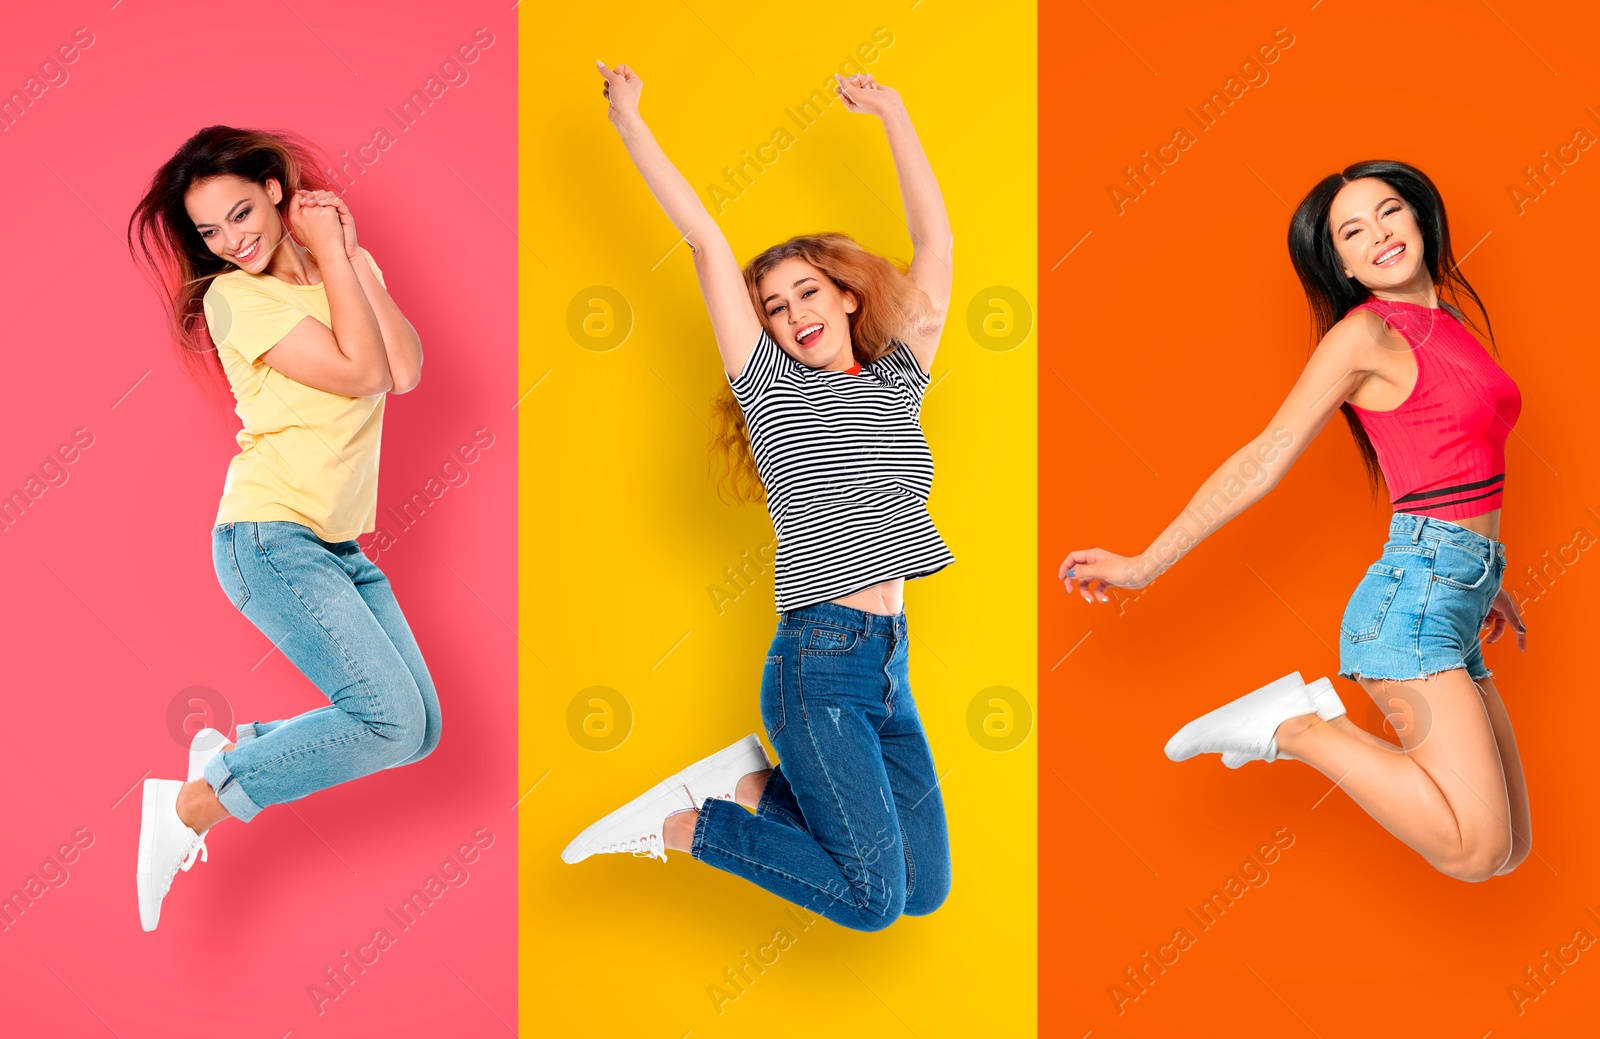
x=1482 y=859
x=430 y=740
x=431 y=723
x=406 y=728
x=430 y=736
x=869 y=924
x=875 y=917
x=889 y=905
x=1520 y=850
x=871 y=904
x=929 y=893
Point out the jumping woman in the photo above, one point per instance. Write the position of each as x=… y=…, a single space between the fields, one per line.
x=826 y=347
x=266 y=287
x=1430 y=411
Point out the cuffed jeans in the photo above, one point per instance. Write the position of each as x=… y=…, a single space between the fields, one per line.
x=331 y=612
x=851 y=825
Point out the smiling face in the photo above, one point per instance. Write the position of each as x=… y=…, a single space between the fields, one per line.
x=1377 y=237
x=807 y=314
x=237 y=219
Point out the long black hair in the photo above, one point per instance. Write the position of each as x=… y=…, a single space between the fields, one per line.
x=1332 y=295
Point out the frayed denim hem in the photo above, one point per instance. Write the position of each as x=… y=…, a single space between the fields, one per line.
x=1356 y=675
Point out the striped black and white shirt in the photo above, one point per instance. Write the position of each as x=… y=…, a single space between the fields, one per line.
x=846 y=468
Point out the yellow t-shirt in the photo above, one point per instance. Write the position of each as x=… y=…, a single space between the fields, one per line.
x=305 y=455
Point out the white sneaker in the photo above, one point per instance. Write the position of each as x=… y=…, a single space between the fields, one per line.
x=1243 y=729
x=1328 y=706
x=166 y=845
x=636 y=826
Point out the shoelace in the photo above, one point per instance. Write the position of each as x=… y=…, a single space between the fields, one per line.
x=199 y=849
x=649 y=846
x=196 y=849
x=654 y=848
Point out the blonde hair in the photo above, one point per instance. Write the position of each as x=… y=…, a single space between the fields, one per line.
x=890 y=307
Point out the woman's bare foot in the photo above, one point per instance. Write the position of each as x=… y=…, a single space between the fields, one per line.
x=751 y=787
x=1292 y=732
x=198 y=806
x=677 y=830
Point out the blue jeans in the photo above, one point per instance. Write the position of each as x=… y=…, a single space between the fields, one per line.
x=331 y=612
x=851 y=825
x=1419 y=609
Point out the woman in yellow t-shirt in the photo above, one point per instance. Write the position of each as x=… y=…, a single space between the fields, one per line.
x=267 y=288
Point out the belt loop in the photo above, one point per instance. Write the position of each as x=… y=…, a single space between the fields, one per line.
x=783 y=618
x=1416 y=531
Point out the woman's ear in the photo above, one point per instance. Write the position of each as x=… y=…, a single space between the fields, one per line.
x=850 y=303
x=274 y=190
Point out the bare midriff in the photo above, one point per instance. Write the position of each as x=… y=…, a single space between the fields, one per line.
x=885 y=597
x=1487 y=524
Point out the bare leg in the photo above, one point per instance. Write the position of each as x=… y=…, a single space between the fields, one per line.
x=198 y=807
x=1445 y=794
x=750 y=788
x=677 y=830
x=1516 y=785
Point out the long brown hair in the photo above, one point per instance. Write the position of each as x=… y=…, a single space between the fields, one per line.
x=163 y=240
x=890 y=308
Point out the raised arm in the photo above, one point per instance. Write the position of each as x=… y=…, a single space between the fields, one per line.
x=931 y=239
x=401 y=345
x=1341 y=363
x=733 y=317
x=350 y=357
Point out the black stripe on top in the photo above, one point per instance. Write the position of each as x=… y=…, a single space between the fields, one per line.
x=1458 y=488
x=1453 y=501
x=847 y=471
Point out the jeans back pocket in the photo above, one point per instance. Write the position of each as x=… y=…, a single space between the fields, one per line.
x=1369 y=605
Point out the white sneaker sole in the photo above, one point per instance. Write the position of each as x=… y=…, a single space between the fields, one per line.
x=729 y=765
x=149 y=912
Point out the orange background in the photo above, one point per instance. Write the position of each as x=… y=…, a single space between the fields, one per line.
x=1168 y=337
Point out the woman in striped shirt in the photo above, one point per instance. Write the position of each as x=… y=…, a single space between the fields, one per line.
x=827 y=348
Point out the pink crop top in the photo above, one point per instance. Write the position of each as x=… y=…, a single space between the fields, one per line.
x=1443 y=450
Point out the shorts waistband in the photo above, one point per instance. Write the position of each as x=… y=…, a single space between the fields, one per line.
x=1413 y=528
x=846 y=617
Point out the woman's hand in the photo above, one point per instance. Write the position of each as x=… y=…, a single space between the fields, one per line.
x=862 y=93
x=622 y=89
x=1085 y=568
x=1503 y=611
x=347 y=223
x=317 y=224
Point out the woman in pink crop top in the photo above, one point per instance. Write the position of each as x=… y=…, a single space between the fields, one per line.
x=1430 y=410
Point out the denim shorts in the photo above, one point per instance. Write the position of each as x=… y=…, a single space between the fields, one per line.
x=1420 y=607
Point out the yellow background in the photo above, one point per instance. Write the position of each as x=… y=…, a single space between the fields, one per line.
x=623 y=535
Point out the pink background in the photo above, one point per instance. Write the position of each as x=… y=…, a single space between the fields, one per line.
x=111 y=607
